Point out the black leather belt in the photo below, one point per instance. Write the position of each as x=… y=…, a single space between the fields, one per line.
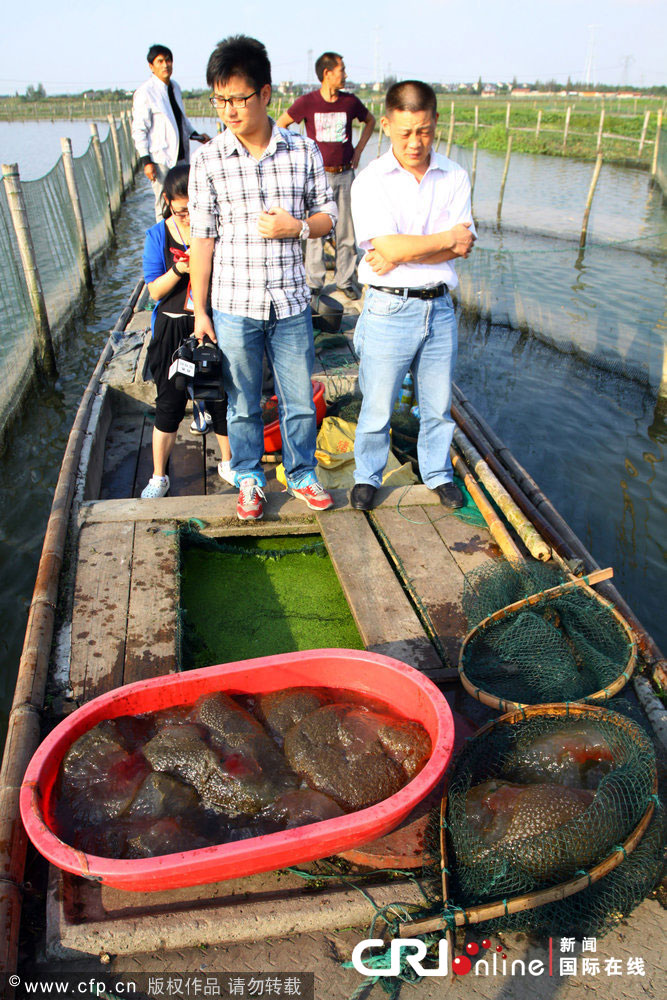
x=434 y=292
x=339 y=170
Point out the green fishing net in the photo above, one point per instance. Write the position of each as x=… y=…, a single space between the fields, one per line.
x=562 y=648
x=535 y=802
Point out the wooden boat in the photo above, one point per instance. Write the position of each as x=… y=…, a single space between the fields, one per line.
x=402 y=570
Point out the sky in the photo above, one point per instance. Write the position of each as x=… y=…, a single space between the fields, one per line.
x=93 y=44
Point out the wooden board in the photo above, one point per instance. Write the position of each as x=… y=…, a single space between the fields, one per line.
x=120 y=457
x=385 y=619
x=430 y=573
x=145 y=457
x=99 y=612
x=186 y=465
x=470 y=546
x=152 y=623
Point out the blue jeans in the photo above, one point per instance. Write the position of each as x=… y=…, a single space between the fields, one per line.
x=393 y=335
x=289 y=346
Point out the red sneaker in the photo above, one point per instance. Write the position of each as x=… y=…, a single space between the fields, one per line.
x=250 y=506
x=313 y=494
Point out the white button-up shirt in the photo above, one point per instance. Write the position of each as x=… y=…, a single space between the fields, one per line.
x=153 y=124
x=389 y=200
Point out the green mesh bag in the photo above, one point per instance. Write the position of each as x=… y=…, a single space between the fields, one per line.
x=566 y=647
x=531 y=802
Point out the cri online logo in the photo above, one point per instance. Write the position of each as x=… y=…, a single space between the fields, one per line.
x=412 y=951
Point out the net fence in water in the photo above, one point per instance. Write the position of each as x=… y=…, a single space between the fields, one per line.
x=51 y=220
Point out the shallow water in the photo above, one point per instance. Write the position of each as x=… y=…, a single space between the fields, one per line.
x=591 y=436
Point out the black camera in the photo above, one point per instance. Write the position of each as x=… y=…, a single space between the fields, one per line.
x=197 y=369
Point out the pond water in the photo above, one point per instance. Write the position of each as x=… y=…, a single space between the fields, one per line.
x=568 y=372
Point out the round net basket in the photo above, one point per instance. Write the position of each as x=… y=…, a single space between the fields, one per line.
x=539 y=638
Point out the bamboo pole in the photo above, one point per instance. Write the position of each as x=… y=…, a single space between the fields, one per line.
x=438 y=140
x=567 y=126
x=70 y=176
x=500 y=533
x=504 y=178
x=589 y=200
x=539 y=124
x=113 y=132
x=654 y=164
x=450 y=135
x=103 y=177
x=474 y=169
x=599 y=144
x=380 y=134
x=647 y=117
x=527 y=532
x=476 y=119
x=507 y=116
x=46 y=358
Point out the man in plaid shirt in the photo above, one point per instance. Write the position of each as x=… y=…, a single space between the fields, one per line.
x=255 y=192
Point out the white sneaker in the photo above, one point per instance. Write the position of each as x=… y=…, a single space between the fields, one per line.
x=158 y=486
x=225 y=472
x=202 y=420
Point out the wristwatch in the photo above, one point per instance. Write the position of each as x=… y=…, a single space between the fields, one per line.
x=305 y=231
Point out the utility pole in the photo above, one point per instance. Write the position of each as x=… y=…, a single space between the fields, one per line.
x=590 y=57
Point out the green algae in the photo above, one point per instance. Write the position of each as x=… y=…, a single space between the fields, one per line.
x=249 y=597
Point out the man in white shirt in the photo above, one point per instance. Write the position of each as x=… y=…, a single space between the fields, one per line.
x=411 y=212
x=160 y=127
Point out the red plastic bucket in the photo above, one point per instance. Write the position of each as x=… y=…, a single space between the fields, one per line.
x=272 y=438
x=412 y=694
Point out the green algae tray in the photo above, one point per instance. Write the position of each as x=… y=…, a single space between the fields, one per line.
x=405 y=690
x=269 y=595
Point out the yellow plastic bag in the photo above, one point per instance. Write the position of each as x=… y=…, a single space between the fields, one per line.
x=335 y=458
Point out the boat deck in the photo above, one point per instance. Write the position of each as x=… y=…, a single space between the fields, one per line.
x=402 y=568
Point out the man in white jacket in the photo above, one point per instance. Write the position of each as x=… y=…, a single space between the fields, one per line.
x=160 y=127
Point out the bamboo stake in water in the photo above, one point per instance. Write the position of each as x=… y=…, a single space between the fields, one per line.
x=539 y=124
x=589 y=200
x=600 y=130
x=45 y=353
x=70 y=177
x=567 y=126
x=476 y=119
x=647 y=117
x=654 y=164
x=438 y=140
x=474 y=169
x=505 y=172
x=507 y=116
x=450 y=137
x=113 y=132
x=103 y=178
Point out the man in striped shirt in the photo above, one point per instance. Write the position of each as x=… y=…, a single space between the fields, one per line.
x=255 y=192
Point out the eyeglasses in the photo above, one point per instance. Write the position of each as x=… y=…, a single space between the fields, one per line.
x=236 y=102
x=182 y=214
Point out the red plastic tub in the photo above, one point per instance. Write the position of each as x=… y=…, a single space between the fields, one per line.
x=395 y=683
x=272 y=438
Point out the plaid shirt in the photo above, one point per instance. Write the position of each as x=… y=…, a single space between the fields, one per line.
x=228 y=189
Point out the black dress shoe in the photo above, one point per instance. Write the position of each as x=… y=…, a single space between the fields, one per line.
x=450 y=495
x=362 y=496
x=351 y=291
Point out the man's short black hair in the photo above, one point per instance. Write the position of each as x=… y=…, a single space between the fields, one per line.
x=159 y=50
x=328 y=60
x=411 y=95
x=239 y=55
